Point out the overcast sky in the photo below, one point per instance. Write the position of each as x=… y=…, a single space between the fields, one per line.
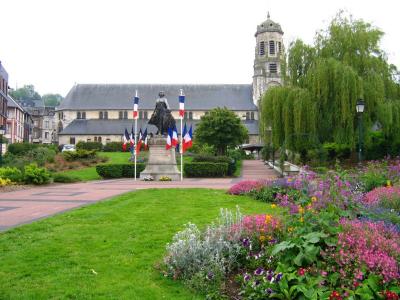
x=53 y=44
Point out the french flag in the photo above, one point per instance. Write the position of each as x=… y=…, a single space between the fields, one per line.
x=187 y=139
x=126 y=140
x=140 y=141
x=144 y=138
x=132 y=138
x=169 y=139
x=135 y=105
x=175 y=140
x=181 y=104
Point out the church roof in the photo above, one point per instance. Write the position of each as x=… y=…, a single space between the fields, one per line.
x=117 y=127
x=119 y=96
x=269 y=26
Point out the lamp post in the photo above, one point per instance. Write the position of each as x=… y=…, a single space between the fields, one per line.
x=2 y=132
x=360 y=110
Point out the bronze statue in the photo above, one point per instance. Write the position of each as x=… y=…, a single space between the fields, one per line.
x=162 y=117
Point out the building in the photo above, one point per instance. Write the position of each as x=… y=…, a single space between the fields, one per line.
x=15 y=122
x=3 y=95
x=101 y=112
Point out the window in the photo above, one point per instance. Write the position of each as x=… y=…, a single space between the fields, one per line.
x=125 y=115
x=78 y=115
x=145 y=115
x=272 y=47
x=46 y=124
x=262 y=48
x=273 y=68
x=97 y=139
x=72 y=140
x=252 y=115
x=88 y=140
x=108 y=140
x=120 y=115
x=190 y=115
x=46 y=135
x=106 y=115
x=279 y=47
x=101 y=115
x=247 y=115
x=84 y=115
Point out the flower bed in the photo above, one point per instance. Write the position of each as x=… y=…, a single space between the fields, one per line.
x=325 y=245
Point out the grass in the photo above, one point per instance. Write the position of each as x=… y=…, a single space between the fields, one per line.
x=108 y=250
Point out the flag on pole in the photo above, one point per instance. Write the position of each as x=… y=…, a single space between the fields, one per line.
x=135 y=106
x=132 y=139
x=169 y=139
x=126 y=140
x=174 y=137
x=139 y=142
x=181 y=104
x=187 y=139
x=144 y=138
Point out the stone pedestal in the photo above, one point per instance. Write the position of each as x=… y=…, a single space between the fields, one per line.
x=161 y=162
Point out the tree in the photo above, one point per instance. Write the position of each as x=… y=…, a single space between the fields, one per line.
x=221 y=128
x=52 y=99
x=27 y=92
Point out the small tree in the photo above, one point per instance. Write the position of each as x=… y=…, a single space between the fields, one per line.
x=221 y=128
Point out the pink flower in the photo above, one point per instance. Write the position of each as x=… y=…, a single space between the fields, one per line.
x=244 y=187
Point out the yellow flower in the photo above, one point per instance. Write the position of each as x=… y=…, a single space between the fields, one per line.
x=269 y=237
x=301 y=210
x=389 y=183
x=268 y=219
x=302 y=219
x=262 y=238
x=273 y=205
x=289 y=180
x=314 y=199
x=290 y=229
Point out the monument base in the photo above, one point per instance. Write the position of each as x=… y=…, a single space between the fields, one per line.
x=161 y=162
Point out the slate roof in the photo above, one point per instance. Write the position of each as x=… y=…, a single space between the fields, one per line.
x=269 y=26
x=12 y=103
x=119 y=96
x=116 y=127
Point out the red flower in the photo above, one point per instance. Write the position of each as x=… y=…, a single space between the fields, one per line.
x=335 y=296
x=391 y=295
x=301 y=272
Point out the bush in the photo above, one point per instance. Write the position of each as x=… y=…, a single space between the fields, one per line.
x=5 y=182
x=41 y=155
x=340 y=151
x=80 y=155
x=113 y=147
x=218 y=159
x=13 y=174
x=21 y=148
x=205 y=169
x=64 y=178
x=97 y=146
x=119 y=170
x=34 y=174
x=372 y=180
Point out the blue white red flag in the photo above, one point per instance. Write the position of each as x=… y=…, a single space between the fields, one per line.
x=181 y=104
x=126 y=140
x=175 y=140
x=169 y=139
x=132 y=138
x=139 y=143
x=135 y=106
x=187 y=139
x=144 y=138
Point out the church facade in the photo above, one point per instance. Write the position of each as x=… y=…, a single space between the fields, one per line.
x=101 y=112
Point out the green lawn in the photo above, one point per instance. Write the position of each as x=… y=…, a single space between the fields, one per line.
x=108 y=250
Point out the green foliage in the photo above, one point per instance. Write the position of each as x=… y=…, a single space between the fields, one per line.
x=336 y=151
x=52 y=100
x=119 y=170
x=218 y=159
x=205 y=169
x=21 y=148
x=27 y=92
x=113 y=147
x=64 y=178
x=97 y=146
x=14 y=174
x=221 y=128
x=373 y=179
x=80 y=155
x=35 y=175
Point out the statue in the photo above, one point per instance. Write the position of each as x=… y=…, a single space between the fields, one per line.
x=162 y=117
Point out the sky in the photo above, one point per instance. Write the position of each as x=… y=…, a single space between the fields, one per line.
x=54 y=44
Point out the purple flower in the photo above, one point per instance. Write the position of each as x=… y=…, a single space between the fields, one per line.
x=259 y=271
x=246 y=243
x=278 y=277
x=210 y=275
x=257 y=282
x=269 y=277
x=268 y=291
x=246 y=277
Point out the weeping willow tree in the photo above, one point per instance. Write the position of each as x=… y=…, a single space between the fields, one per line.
x=324 y=82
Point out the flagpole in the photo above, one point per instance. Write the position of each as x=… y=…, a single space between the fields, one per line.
x=134 y=147
x=181 y=147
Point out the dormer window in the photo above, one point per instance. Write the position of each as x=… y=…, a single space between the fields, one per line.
x=272 y=47
x=262 y=48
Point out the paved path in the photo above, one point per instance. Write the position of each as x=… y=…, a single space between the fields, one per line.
x=27 y=205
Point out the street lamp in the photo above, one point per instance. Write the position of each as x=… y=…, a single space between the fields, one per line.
x=2 y=132
x=360 y=110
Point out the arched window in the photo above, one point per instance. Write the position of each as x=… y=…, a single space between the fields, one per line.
x=145 y=116
x=83 y=115
x=262 y=48
x=247 y=115
x=125 y=114
x=100 y=115
x=120 y=115
x=106 y=115
x=252 y=115
x=190 y=115
x=78 y=115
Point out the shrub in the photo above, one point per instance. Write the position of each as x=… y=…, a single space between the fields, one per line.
x=165 y=178
x=218 y=159
x=244 y=187
x=13 y=174
x=41 y=155
x=205 y=169
x=5 y=182
x=113 y=147
x=119 y=170
x=340 y=151
x=373 y=179
x=97 y=146
x=34 y=174
x=64 y=178
x=79 y=155
x=21 y=148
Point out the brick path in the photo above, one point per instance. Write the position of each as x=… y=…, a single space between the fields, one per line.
x=27 y=205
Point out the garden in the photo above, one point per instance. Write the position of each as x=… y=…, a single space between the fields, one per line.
x=332 y=236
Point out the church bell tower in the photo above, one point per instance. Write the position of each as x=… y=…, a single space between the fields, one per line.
x=268 y=55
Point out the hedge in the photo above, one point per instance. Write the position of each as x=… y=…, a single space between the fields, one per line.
x=79 y=155
x=21 y=149
x=205 y=169
x=98 y=146
x=218 y=159
x=119 y=170
x=113 y=147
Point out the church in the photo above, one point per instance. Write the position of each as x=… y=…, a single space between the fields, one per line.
x=101 y=112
